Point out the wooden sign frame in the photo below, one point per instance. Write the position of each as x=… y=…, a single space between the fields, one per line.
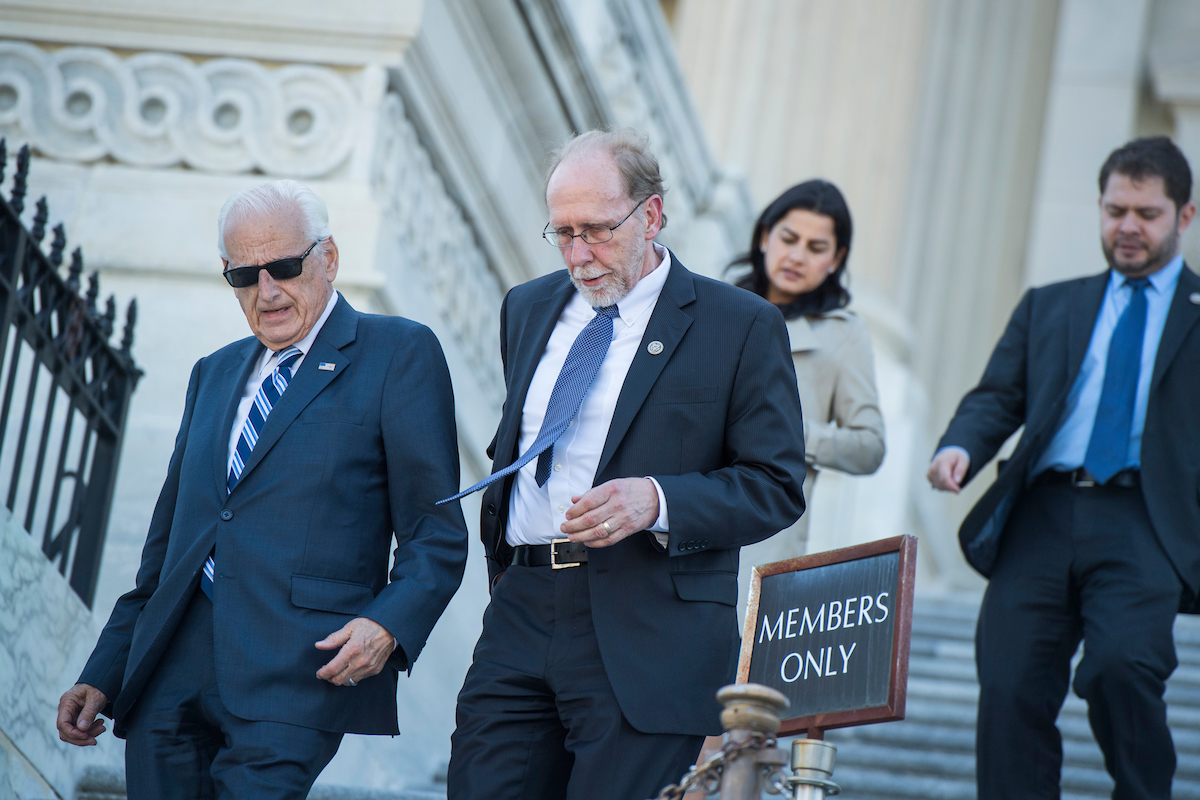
x=815 y=724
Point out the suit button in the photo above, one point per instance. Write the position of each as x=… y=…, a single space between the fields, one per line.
x=226 y=514
x=491 y=509
x=704 y=543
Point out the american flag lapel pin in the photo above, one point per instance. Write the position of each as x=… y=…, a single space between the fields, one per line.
x=326 y=366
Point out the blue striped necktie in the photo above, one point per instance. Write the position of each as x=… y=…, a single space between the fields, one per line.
x=578 y=371
x=268 y=395
x=1108 y=449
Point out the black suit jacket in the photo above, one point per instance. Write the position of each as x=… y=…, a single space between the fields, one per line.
x=1026 y=383
x=347 y=459
x=715 y=419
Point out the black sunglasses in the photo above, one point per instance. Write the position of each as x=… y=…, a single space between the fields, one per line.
x=281 y=270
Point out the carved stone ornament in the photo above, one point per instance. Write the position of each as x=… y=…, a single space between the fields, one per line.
x=440 y=243
x=162 y=110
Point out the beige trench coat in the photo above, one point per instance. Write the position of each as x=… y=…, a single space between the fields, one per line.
x=843 y=427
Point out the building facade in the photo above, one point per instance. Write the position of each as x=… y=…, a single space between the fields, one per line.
x=426 y=127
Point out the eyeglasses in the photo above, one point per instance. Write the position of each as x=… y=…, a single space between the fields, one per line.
x=595 y=234
x=281 y=270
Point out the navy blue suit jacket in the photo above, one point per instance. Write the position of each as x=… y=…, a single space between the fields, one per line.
x=347 y=459
x=1027 y=381
x=715 y=419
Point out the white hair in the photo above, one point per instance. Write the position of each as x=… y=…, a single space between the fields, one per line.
x=273 y=198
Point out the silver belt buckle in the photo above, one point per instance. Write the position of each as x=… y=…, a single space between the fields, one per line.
x=1078 y=480
x=554 y=554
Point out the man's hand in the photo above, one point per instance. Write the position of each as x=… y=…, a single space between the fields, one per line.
x=948 y=468
x=365 y=647
x=628 y=505
x=77 y=710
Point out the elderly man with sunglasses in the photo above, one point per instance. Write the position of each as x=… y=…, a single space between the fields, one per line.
x=652 y=428
x=265 y=622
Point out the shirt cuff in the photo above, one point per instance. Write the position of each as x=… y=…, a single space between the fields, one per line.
x=962 y=450
x=662 y=525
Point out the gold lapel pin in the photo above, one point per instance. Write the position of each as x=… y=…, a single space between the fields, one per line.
x=654 y=348
x=1195 y=298
x=326 y=366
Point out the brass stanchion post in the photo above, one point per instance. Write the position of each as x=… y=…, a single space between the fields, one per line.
x=812 y=768
x=751 y=720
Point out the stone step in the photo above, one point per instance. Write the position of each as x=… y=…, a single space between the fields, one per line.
x=930 y=754
x=108 y=783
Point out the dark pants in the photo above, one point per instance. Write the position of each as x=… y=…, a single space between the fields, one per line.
x=183 y=744
x=1076 y=564
x=537 y=717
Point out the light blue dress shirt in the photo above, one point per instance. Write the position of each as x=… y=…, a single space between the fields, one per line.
x=1069 y=446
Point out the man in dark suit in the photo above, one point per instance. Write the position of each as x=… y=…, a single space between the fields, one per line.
x=265 y=623
x=1092 y=531
x=652 y=427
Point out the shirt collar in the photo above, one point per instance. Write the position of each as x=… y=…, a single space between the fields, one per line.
x=645 y=292
x=1163 y=282
x=305 y=344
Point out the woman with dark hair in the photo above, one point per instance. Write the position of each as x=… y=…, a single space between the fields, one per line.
x=797 y=261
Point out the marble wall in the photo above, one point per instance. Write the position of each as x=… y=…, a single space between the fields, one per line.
x=46 y=635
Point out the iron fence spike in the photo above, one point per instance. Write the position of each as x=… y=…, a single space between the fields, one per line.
x=76 y=269
x=130 y=321
x=110 y=316
x=39 y=221
x=93 y=291
x=58 y=245
x=17 y=200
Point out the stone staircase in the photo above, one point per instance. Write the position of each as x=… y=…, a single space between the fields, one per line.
x=931 y=753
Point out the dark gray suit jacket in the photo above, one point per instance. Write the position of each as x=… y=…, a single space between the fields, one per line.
x=715 y=419
x=1026 y=383
x=347 y=459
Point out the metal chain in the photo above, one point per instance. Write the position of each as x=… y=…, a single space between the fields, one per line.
x=708 y=775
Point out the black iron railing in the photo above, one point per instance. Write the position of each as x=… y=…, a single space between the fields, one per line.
x=64 y=390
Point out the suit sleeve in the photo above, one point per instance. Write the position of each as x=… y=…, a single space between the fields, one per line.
x=421 y=447
x=995 y=409
x=855 y=445
x=760 y=492
x=105 y=668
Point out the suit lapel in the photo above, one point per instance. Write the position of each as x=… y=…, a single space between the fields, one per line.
x=1086 y=298
x=235 y=377
x=1180 y=319
x=542 y=316
x=667 y=324
x=338 y=331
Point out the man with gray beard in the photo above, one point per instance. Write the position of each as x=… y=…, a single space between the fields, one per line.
x=652 y=428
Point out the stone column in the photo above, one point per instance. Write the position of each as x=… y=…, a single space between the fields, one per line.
x=1175 y=78
x=928 y=115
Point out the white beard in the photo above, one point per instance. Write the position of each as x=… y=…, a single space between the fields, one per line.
x=619 y=283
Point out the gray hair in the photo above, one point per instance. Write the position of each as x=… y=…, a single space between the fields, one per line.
x=637 y=165
x=272 y=198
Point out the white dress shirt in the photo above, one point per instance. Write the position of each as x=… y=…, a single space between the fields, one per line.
x=266 y=365
x=536 y=512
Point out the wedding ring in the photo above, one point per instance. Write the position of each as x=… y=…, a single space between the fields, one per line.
x=607 y=528
x=351 y=681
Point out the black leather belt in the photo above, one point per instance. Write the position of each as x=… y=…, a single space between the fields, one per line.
x=1081 y=478
x=559 y=554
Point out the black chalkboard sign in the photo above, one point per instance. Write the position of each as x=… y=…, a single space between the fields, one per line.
x=831 y=631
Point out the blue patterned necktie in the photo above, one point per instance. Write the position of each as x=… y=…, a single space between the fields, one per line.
x=268 y=395
x=578 y=371
x=1109 y=446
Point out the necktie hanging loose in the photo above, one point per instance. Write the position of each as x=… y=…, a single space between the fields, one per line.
x=578 y=372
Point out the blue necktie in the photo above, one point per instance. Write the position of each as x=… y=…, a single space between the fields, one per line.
x=1108 y=448
x=578 y=371
x=268 y=395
